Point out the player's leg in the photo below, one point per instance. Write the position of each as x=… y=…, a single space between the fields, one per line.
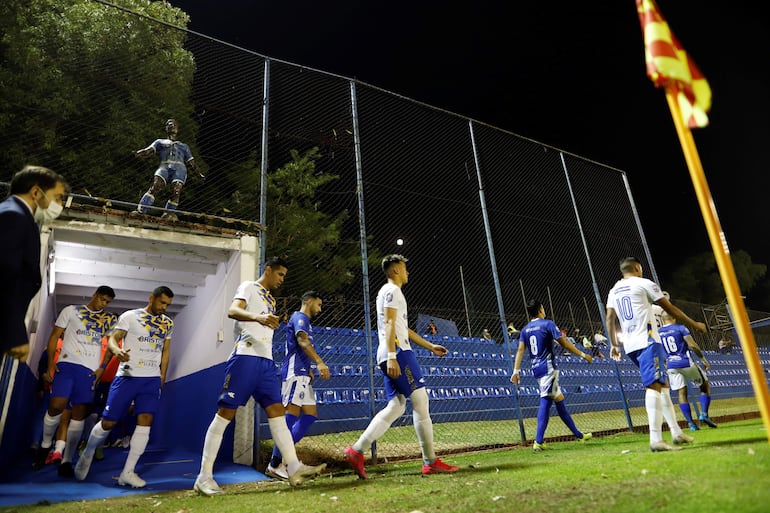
x=158 y=183
x=173 y=200
x=146 y=404
x=705 y=400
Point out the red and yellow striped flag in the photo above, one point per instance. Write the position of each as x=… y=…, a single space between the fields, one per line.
x=669 y=65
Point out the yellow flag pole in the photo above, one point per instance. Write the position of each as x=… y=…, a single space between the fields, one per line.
x=722 y=255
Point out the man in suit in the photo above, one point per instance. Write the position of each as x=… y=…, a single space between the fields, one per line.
x=36 y=195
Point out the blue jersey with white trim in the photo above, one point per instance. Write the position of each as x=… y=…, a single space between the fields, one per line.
x=296 y=362
x=673 y=338
x=538 y=336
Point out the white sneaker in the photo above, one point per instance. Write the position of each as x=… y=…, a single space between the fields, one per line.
x=663 y=446
x=305 y=472
x=131 y=479
x=82 y=467
x=279 y=472
x=207 y=487
x=683 y=439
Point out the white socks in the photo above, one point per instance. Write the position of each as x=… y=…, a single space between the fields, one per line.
x=381 y=422
x=669 y=413
x=423 y=425
x=49 y=429
x=652 y=403
x=282 y=438
x=74 y=432
x=138 y=444
x=211 y=445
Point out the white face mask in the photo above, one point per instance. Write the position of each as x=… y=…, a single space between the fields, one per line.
x=48 y=214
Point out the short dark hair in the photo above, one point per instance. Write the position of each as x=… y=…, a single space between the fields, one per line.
x=389 y=260
x=311 y=294
x=276 y=262
x=23 y=181
x=107 y=291
x=533 y=307
x=628 y=263
x=158 y=291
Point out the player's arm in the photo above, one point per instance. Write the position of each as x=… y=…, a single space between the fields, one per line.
x=695 y=348
x=679 y=315
x=307 y=346
x=53 y=339
x=113 y=344
x=612 y=326
x=515 y=378
x=393 y=369
x=145 y=151
x=238 y=312
x=164 y=357
x=569 y=346
x=436 y=349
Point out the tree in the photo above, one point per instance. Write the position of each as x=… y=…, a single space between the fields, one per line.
x=321 y=256
x=85 y=84
x=698 y=279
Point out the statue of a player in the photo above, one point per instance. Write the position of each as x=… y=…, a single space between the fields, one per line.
x=175 y=157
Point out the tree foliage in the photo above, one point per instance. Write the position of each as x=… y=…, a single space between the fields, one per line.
x=85 y=84
x=698 y=279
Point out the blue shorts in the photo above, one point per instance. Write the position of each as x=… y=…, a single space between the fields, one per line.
x=250 y=376
x=411 y=377
x=75 y=382
x=172 y=172
x=651 y=362
x=144 y=392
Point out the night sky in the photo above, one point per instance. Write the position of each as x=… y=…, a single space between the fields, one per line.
x=567 y=74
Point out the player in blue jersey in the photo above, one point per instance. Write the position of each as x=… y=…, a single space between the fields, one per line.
x=538 y=337
x=403 y=375
x=81 y=328
x=174 y=156
x=297 y=376
x=678 y=343
x=629 y=307
x=146 y=335
x=250 y=372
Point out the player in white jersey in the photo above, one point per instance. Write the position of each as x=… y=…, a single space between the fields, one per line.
x=146 y=335
x=629 y=307
x=402 y=374
x=297 y=377
x=250 y=372
x=81 y=328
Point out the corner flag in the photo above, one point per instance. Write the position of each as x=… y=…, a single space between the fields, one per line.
x=669 y=64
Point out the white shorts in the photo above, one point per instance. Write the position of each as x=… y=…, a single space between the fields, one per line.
x=693 y=373
x=298 y=390
x=549 y=385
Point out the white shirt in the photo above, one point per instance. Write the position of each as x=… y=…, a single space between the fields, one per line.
x=390 y=296
x=146 y=335
x=253 y=338
x=83 y=333
x=632 y=299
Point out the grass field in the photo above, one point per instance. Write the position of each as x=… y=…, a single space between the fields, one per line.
x=726 y=469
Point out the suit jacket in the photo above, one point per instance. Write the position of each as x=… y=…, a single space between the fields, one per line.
x=19 y=270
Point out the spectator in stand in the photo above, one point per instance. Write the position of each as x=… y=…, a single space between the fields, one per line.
x=431 y=330
x=725 y=344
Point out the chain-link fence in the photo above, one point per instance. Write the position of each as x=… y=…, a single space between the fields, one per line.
x=487 y=218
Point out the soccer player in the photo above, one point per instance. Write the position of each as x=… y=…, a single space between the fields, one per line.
x=403 y=375
x=146 y=335
x=297 y=377
x=81 y=328
x=250 y=371
x=174 y=156
x=629 y=306
x=538 y=337
x=678 y=342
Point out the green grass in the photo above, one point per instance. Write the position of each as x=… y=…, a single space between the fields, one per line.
x=726 y=470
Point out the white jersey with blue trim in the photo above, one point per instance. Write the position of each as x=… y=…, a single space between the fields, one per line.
x=146 y=335
x=83 y=333
x=390 y=296
x=253 y=338
x=632 y=299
